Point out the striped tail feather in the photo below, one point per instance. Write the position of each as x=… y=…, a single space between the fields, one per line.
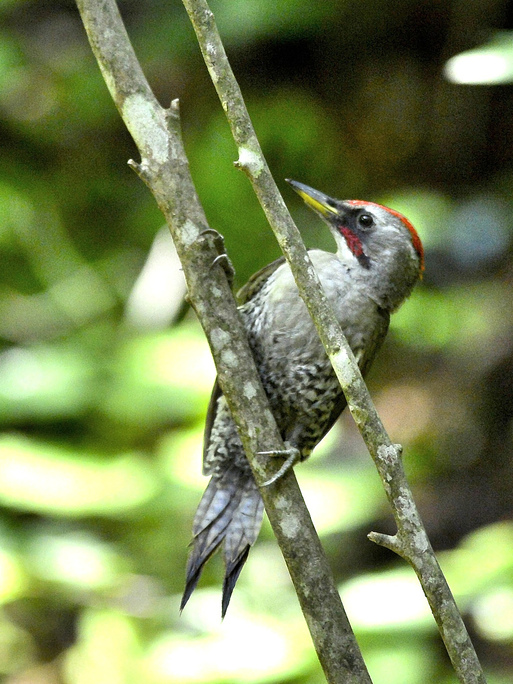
x=230 y=510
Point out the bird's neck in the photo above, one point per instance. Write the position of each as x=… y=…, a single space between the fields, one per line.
x=388 y=280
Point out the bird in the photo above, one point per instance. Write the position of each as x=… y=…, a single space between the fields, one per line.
x=378 y=259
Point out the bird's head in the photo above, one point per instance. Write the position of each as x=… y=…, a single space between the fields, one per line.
x=377 y=242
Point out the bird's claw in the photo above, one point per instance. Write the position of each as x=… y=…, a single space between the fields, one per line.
x=291 y=456
x=218 y=239
x=226 y=264
x=222 y=259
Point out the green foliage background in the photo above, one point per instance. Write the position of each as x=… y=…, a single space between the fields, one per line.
x=105 y=376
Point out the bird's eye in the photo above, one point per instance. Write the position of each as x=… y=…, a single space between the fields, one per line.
x=365 y=220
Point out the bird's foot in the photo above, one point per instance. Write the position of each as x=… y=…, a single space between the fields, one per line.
x=226 y=264
x=222 y=259
x=291 y=456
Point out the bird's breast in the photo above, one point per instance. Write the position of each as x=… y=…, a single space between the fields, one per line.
x=278 y=321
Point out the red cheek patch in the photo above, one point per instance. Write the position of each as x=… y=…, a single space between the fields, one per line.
x=353 y=242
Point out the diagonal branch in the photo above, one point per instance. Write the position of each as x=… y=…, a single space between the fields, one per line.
x=411 y=540
x=165 y=170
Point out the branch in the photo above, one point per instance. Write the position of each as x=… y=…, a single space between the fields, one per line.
x=411 y=541
x=164 y=168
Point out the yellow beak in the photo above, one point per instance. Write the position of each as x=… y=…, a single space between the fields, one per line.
x=316 y=200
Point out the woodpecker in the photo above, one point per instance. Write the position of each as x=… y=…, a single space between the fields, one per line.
x=378 y=260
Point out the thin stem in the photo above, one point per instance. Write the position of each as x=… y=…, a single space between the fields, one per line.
x=412 y=539
x=164 y=168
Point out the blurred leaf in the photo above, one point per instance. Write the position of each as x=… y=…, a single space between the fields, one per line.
x=76 y=559
x=483 y=560
x=17 y=648
x=479 y=571
x=488 y=64
x=493 y=613
x=409 y=663
x=342 y=500
x=51 y=480
x=17 y=212
x=106 y=652
x=457 y=318
x=13 y=578
x=246 y=21
x=180 y=453
x=164 y=377
x=227 y=653
x=44 y=381
x=387 y=601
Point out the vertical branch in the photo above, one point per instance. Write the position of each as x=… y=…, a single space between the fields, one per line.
x=411 y=541
x=164 y=168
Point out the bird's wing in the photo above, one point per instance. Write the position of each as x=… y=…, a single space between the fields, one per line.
x=254 y=284
x=246 y=293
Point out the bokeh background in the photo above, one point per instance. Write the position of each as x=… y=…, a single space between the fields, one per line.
x=105 y=375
